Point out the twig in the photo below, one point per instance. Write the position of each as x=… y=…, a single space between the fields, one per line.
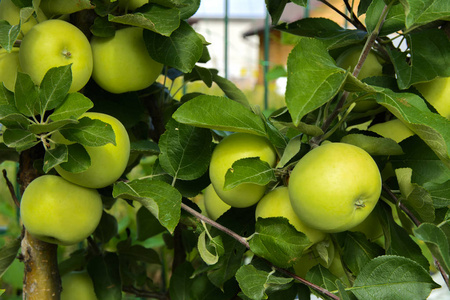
x=356 y=22
x=11 y=188
x=337 y=10
x=144 y=293
x=244 y=242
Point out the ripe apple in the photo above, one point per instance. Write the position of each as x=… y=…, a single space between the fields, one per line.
x=334 y=187
x=276 y=203
x=122 y=63
x=131 y=4
x=57 y=211
x=77 y=285
x=232 y=148
x=55 y=43
x=11 y=13
x=393 y=129
x=9 y=65
x=437 y=92
x=214 y=206
x=108 y=162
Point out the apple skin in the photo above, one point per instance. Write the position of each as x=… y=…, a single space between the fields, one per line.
x=276 y=203
x=232 y=148
x=131 y=4
x=437 y=92
x=57 y=211
x=393 y=129
x=371 y=227
x=122 y=63
x=55 y=43
x=214 y=206
x=108 y=162
x=9 y=65
x=11 y=13
x=334 y=187
x=76 y=286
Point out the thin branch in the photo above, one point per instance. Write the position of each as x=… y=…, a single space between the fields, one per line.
x=244 y=242
x=11 y=188
x=144 y=293
x=337 y=10
x=356 y=22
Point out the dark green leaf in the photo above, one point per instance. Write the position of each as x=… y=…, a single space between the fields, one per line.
x=74 y=105
x=8 y=34
x=7 y=254
x=230 y=90
x=373 y=145
x=181 y=282
x=89 y=132
x=436 y=241
x=359 y=251
x=26 y=94
x=55 y=156
x=6 y=96
x=54 y=88
x=275 y=9
x=249 y=170
x=394 y=21
x=139 y=253
x=105 y=274
x=49 y=127
x=11 y=118
x=103 y=28
x=422 y=12
x=188 y=8
x=147 y=224
x=107 y=228
x=78 y=159
x=199 y=73
x=393 y=277
x=145 y=147
x=19 y=139
x=440 y=193
x=323 y=277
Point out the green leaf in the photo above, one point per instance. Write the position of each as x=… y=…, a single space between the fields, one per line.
x=145 y=147
x=275 y=9
x=26 y=94
x=254 y=282
x=276 y=240
x=430 y=127
x=359 y=251
x=78 y=159
x=8 y=35
x=73 y=107
x=211 y=251
x=54 y=87
x=373 y=145
x=11 y=118
x=425 y=11
x=19 y=139
x=6 y=96
x=426 y=59
x=159 y=19
x=393 y=277
x=181 y=50
x=313 y=78
x=138 y=253
x=291 y=150
x=394 y=21
x=249 y=170
x=440 y=193
x=147 y=225
x=7 y=255
x=103 y=28
x=49 y=127
x=230 y=90
x=181 y=282
x=106 y=229
x=105 y=274
x=323 y=277
x=219 y=113
x=188 y=8
x=89 y=132
x=160 y=198
x=185 y=150
x=55 y=156
x=436 y=241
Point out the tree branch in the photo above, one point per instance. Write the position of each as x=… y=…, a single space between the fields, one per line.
x=144 y=293
x=11 y=188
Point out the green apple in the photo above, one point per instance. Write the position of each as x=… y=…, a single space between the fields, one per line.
x=334 y=187
x=9 y=65
x=57 y=211
x=108 y=162
x=214 y=206
x=76 y=286
x=122 y=63
x=55 y=43
x=232 y=148
x=276 y=203
x=437 y=92
x=393 y=129
x=131 y=4
x=11 y=13
x=371 y=227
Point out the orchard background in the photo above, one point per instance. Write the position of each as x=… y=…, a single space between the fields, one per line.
x=155 y=238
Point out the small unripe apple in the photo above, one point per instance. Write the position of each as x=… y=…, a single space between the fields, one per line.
x=276 y=203
x=122 y=63
x=393 y=129
x=214 y=206
x=334 y=187
x=108 y=162
x=437 y=92
x=57 y=211
x=232 y=148
x=9 y=65
x=77 y=286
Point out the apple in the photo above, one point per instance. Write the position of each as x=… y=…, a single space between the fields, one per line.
x=334 y=187
x=55 y=43
x=131 y=4
x=232 y=148
x=122 y=63
x=276 y=203
x=371 y=227
x=394 y=129
x=11 y=13
x=57 y=211
x=108 y=162
x=437 y=92
x=9 y=65
x=214 y=206
x=77 y=285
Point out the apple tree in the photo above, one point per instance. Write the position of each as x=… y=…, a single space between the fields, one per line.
x=198 y=201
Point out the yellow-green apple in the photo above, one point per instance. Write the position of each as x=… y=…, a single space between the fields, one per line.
x=334 y=187
x=77 y=285
x=276 y=203
x=394 y=129
x=108 y=162
x=57 y=211
x=371 y=227
x=131 y=4
x=371 y=67
x=9 y=65
x=55 y=43
x=122 y=63
x=232 y=148
x=437 y=92
x=214 y=206
x=11 y=13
